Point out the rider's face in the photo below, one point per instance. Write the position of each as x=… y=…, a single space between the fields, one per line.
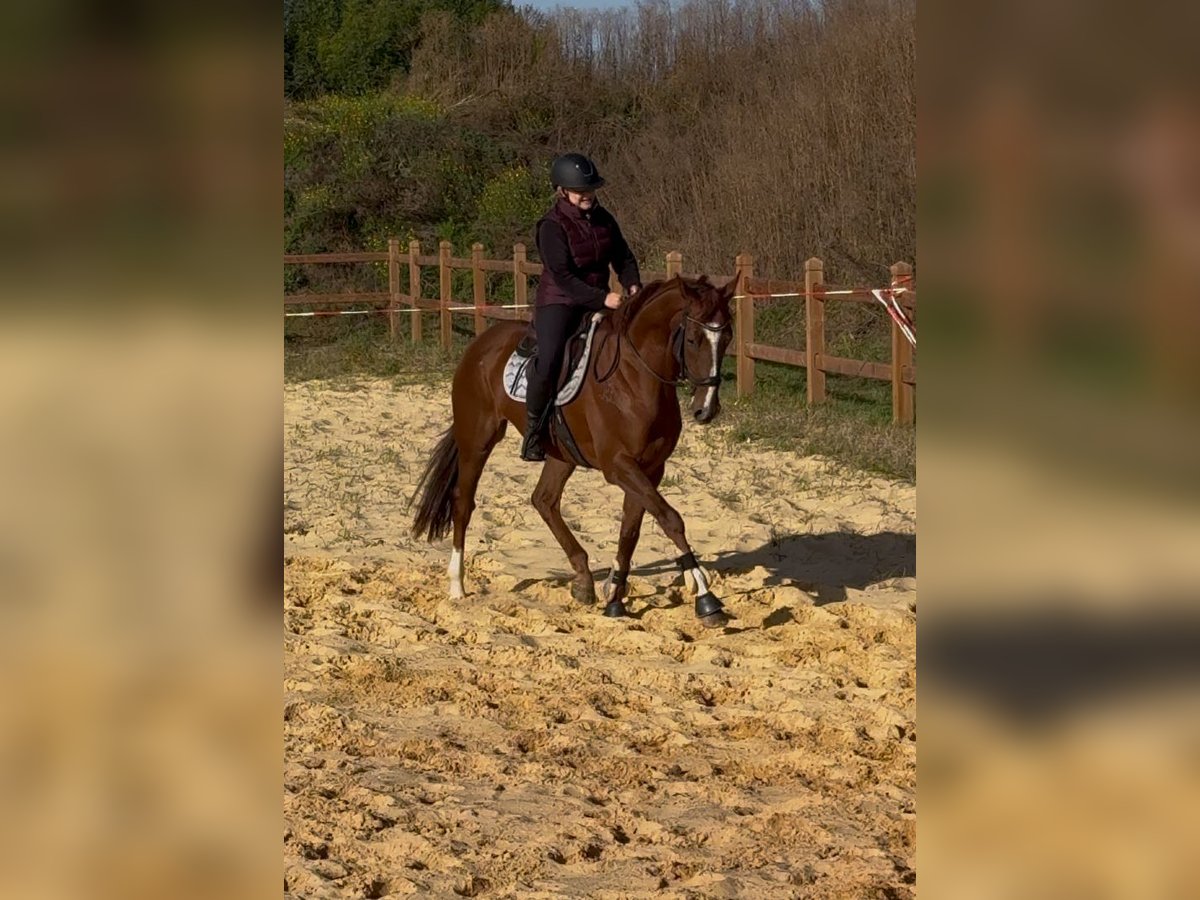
x=584 y=200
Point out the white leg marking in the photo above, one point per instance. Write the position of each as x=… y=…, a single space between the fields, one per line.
x=698 y=578
x=456 y=574
x=607 y=590
x=714 y=339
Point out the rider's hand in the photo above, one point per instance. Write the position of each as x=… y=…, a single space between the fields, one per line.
x=612 y=301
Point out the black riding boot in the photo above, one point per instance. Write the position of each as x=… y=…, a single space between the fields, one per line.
x=554 y=324
x=533 y=449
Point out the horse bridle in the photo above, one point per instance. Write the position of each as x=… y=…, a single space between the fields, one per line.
x=681 y=357
x=676 y=344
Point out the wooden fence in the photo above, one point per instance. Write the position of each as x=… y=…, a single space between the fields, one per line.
x=398 y=305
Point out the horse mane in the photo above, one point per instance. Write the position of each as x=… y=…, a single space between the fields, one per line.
x=623 y=317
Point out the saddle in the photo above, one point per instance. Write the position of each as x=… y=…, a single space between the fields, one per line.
x=576 y=355
x=574 y=368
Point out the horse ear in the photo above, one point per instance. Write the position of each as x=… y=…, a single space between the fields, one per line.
x=730 y=290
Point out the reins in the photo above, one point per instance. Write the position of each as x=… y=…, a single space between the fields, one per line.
x=676 y=345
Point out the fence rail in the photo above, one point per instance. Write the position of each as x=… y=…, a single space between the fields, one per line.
x=901 y=371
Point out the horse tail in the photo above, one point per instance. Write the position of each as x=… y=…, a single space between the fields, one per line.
x=436 y=489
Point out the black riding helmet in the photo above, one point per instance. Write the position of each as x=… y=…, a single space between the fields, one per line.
x=575 y=172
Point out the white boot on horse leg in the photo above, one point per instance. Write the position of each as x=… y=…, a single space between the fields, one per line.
x=607 y=589
x=456 y=575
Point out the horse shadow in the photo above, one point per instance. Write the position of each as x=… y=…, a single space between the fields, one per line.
x=659 y=597
x=826 y=564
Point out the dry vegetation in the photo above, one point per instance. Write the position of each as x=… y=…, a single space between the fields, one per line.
x=769 y=126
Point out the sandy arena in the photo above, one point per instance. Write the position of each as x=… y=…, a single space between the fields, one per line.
x=514 y=744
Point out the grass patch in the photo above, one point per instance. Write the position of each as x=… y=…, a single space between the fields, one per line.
x=351 y=347
x=854 y=427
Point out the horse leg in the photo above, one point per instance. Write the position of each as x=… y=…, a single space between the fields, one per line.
x=617 y=585
x=475 y=444
x=638 y=486
x=546 y=498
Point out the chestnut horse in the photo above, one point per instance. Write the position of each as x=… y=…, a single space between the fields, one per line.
x=625 y=421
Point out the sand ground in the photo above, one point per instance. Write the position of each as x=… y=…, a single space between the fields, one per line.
x=516 y=744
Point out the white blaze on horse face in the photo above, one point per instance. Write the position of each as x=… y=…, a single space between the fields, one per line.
x=456 y=574
x=714 y=338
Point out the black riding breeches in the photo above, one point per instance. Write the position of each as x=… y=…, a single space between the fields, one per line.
x=554 y=324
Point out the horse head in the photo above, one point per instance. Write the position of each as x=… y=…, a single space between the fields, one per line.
x=701 y=339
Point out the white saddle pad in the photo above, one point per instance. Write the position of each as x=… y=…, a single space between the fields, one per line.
x=514 y=371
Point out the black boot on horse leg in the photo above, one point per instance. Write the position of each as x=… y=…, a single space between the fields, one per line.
x=709 y=610
x=614 y=591
x=639 y=488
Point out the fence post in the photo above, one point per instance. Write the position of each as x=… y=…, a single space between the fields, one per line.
x=414 y=288
x=520 y=279
x=444 y=301
x=903 y=393
x=393 y=284
x=477 y=280
x=674 y=263
x=814 y=337
x=745 y=326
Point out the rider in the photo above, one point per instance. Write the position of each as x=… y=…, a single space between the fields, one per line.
x=578 y=239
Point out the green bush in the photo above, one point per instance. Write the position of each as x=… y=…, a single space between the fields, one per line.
x=358 y=46
x=361 y=169
x=510 y=205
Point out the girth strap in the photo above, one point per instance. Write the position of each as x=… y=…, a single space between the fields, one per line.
x=562 y=433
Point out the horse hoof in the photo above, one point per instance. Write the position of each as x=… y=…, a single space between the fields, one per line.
x=719 y=619
x=615 y=609
x=707 y=605
x=583 y=593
